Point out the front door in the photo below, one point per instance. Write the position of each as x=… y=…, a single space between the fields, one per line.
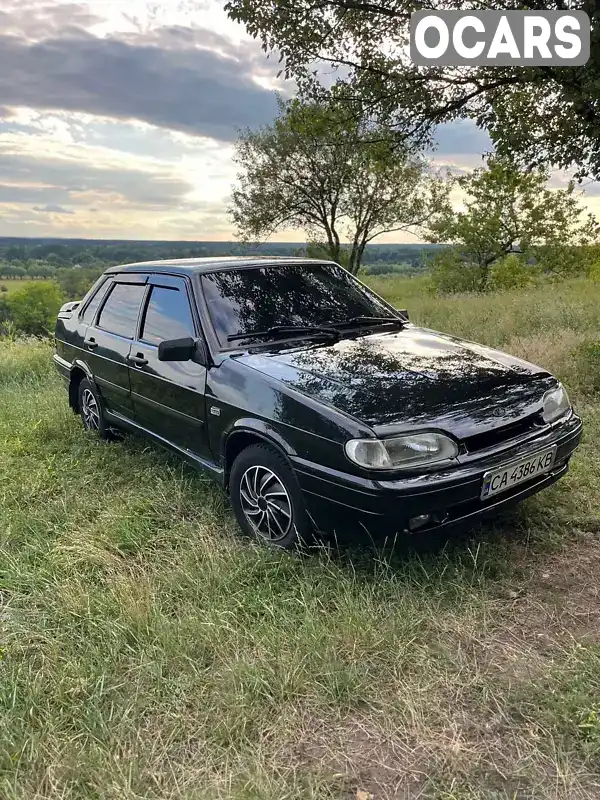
x=168 y=396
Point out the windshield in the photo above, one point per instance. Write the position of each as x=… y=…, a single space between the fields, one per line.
x=311 y=295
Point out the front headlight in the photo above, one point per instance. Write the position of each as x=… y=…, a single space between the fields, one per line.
x=555 y=404
x=412 y=450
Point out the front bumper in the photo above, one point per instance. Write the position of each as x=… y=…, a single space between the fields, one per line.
x=343 y=503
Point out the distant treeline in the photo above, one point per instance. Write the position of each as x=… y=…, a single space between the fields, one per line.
x=100 y=252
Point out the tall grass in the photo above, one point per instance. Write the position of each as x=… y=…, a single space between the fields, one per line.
x=552 y=325
x=146 y=651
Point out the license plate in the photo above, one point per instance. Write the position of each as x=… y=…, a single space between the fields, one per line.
x=500 y=480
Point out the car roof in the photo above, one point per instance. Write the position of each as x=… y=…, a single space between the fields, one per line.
x=197 y=266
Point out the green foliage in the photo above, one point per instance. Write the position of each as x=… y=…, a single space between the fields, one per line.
x=74 y=283
x=13 y=271
x=322 y=250
x=332 y=175
x=4 y=312
x=542 y=115
x=510 y=272
x=108 y=254
x=560 y=260
x=505 y=206
x=594 y=271
x=33 y=308
x=449 y=273
x=589 y=726
x=390 y=269
x=588 y=360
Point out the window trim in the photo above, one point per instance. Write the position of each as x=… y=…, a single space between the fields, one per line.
x=100 y=309
x=152 y=285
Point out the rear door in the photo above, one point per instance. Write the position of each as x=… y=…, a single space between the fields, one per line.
x=168 y=396
x=107 y=341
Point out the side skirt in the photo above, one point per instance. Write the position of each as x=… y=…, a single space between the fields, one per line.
x=119 y=421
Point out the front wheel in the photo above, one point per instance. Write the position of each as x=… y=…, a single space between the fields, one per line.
x=266 y=498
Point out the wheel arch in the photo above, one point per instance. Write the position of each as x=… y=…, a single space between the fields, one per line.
x=79 y=371
x=246 y=433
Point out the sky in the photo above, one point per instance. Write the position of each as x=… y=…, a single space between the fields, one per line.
x=118 y=119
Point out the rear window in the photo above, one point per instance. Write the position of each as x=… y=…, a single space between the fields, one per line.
x=94 y=303
x=120 y=312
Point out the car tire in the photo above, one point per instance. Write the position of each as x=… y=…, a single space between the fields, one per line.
x=91 y=409
x=267 y=499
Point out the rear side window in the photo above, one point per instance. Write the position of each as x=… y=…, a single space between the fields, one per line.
x=92 y=306
x=168 y=316
x=120 y=312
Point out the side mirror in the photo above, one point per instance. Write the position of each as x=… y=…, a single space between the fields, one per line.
x=177 y=349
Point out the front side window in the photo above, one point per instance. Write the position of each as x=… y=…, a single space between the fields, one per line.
x=168 y=316
x=120 y=312
x=254 y=299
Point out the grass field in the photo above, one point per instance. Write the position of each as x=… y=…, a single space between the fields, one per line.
x=11 y=284
x=148 y=652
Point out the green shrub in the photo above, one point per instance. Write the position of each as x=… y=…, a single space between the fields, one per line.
x=4 y=313
x=594 y=271
x=24 y=360
x=74 y=282
x=33 y=308
x=510 y=272
x=449 y=273
x=589 y=365
x=562 y=261
x=384 y=268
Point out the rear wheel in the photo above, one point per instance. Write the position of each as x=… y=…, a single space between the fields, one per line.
x=91 y=409
x=266 y=498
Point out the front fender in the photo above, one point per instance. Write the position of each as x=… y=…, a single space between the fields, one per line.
x=259 y=428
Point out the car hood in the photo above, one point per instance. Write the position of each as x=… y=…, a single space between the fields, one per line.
x=411 y=379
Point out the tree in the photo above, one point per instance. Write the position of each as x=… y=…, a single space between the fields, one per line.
x=33 y=307
x=546 y=115
x=334 y=177
x=74 y=283
x=505 y=206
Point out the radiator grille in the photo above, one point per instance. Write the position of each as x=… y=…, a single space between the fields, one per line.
x=482 y=441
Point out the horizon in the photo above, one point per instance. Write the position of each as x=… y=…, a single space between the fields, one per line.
x=196 y=241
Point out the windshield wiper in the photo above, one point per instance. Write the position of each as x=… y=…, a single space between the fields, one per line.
x=282 y=330
x=364 y=320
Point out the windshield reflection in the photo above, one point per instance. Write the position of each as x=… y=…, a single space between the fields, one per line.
x=259 y=298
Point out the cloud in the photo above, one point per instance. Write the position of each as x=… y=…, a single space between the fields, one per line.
x=182 y=78
x=30 y=176
x=35 y=19
x=52 y=208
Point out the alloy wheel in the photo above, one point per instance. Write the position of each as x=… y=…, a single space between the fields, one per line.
x=90 y=411
x=266 y=503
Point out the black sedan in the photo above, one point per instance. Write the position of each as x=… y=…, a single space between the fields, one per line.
x=311 y=400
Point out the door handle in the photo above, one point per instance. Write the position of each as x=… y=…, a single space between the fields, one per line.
x=91 y=343
x=138 y=360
